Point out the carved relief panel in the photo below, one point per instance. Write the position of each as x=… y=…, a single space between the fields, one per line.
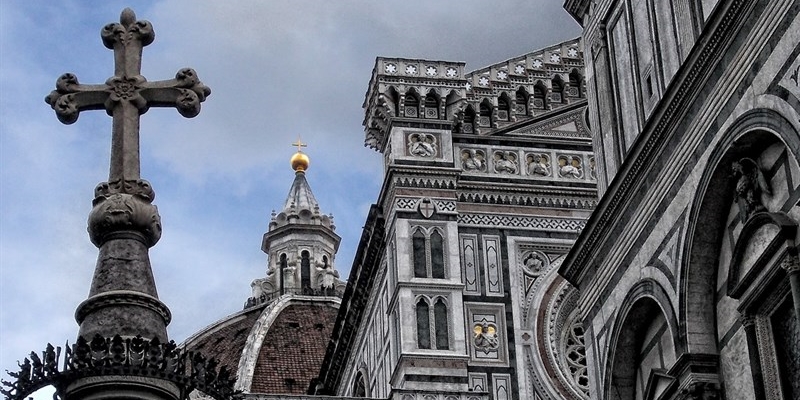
x=486 y=329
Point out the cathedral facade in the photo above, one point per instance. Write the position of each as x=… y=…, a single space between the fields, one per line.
x=688 y=270
x=489 y=177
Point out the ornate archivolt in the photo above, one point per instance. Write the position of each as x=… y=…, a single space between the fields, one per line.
x=552 y=332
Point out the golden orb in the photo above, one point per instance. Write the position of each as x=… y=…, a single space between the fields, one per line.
x=299 y=162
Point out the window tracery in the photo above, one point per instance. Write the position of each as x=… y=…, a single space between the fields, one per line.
x=432 y=323
x=428 y=254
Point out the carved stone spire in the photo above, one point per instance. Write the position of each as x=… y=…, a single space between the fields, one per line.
x=122 y=349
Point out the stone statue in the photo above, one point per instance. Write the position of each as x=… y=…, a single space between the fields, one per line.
x=505 y=163
x=326 y=276
x=421 y=145
x=750 y=184
x=538 y=165
x=472 y=160
x=485 y=337
x=570 y=168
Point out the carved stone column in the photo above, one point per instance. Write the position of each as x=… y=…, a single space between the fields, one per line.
x=122 y=299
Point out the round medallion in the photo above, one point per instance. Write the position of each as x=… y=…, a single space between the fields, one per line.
x=411 y=70
x=390 y=68
x=430 y=71
x=451 y=72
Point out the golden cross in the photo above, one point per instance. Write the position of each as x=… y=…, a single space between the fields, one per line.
x=299 y=145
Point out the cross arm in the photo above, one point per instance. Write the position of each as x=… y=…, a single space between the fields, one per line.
x=71 y=97
x=185 y=93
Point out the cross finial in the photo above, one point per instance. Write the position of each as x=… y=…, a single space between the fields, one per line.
x=299 y=145
x=127 y=94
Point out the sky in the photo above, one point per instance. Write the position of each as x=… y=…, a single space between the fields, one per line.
x=278 y=70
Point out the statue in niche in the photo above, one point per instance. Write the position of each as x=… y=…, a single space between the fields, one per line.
x=505 y=162
x=570 y=167
x=421 y=145
x=473 y=160
x=538 y=164
x=485 y=338
x=326 y=276
x=750 y=185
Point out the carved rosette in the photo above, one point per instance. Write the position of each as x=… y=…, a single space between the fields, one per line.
x=124 y=209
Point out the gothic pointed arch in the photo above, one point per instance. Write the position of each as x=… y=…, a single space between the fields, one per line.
x=540 y=96
x=557 y=95
x=453 y=105
x=392 y=97
x=411 y=104
x=503 y=107
x=485 y=117
x=469 y=120
x=522 y=98
x=432 y=105
x=575 y=83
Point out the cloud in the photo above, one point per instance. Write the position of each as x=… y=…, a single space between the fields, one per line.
x=278 y=70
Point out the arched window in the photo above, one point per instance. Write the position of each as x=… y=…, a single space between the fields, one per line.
x=360 y=385
x=522 y=102
x=411 y=106
x=423 y=325
x=431 y=106
x=557 y=95
x=428 y=254
x=305 y=270
x=503 y=107
x=283 y=264
x=420 y=260
x=539 y=96
x=485 y=118
x=575 y=81
x=469 y=120
x=440 y=324
x=437 y=255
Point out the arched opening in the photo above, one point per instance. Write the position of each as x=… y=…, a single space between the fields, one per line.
x=360 y=385
x=437 y=255
x=420 y=260
x=411 y=105
x=539 y=96
x=557 y=95
x=503 y=107
x=485 y=118
x=393 y=100
x=282 y=269
x=440 y=325
x=469 y=120
x=522 y=101
x=305 y=271
x=423 y=324
x=643 y=349
x=575 y=84
x=432 y=105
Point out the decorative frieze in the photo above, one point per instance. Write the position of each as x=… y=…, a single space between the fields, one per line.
x=537 y=223
x=542 y=164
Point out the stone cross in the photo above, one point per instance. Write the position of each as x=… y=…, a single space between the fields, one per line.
x=127 y=94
